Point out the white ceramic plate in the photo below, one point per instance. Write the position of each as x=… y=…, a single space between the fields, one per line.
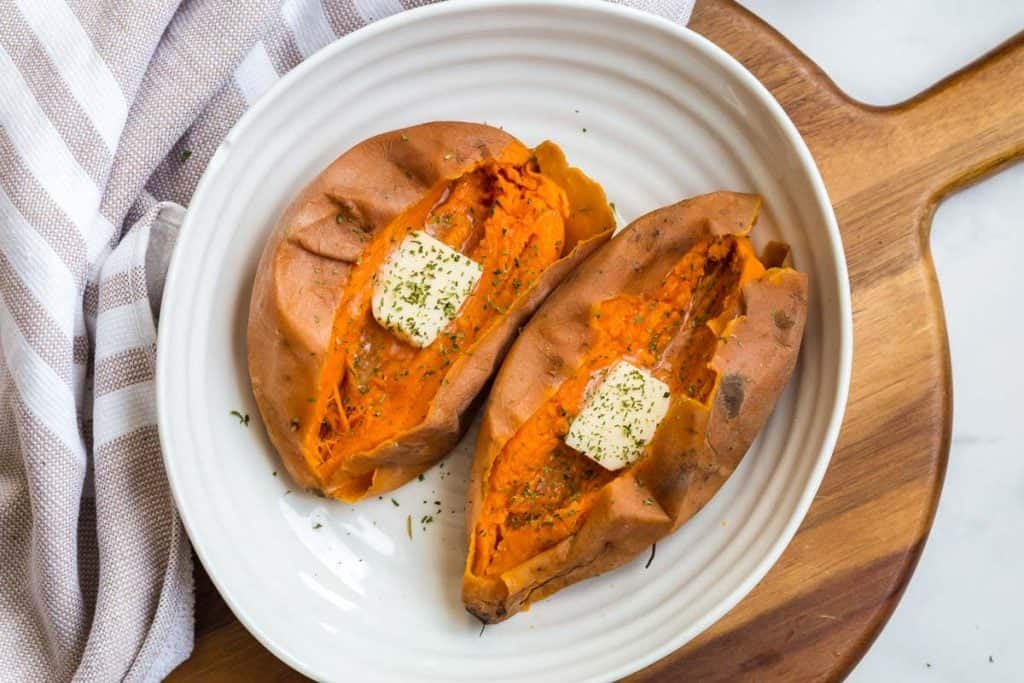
x=652 y=111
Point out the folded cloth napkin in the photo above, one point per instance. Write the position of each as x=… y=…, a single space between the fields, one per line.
x=109 y=112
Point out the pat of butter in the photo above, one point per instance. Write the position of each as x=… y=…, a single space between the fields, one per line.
x=619 y=416
x=421 y=287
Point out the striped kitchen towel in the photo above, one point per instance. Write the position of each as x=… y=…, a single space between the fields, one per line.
x=109 y=111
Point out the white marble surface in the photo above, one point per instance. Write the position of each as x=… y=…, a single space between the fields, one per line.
x=964 y=604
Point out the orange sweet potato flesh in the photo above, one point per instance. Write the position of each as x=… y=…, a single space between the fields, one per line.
x=682 y=293
x=352 y=410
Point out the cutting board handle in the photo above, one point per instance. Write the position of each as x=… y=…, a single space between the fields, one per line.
x=974 y=119
x=967 y=125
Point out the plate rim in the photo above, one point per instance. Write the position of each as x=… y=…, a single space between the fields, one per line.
x=615 y=12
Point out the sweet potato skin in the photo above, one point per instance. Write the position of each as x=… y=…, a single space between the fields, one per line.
x=303 y=270
x=697 y=446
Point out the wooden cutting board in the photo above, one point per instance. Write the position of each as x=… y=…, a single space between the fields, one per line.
x=819 y=609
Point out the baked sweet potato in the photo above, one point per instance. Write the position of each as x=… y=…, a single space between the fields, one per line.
x=681 y=293
x=352 y=410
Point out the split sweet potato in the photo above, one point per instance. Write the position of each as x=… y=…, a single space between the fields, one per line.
x=353 y=410
x=682 y=294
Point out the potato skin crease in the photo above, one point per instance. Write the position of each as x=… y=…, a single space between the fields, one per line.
x=308 y=259
x=698 y=444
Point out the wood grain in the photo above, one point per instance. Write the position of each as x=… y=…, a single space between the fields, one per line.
x=819 y=609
